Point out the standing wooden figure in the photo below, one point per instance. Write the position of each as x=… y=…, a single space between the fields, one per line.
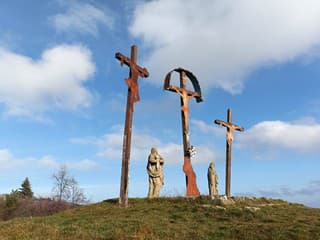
x=212 y=181
x=185 y=96
x=230 y=129
x=133 y=96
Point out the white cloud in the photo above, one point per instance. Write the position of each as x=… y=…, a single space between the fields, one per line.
x=10 y=162
x=173 y=153
x=48 y=162
x=7 y=161
x=83 y=18
x=29 y=87
x=82 y=165
x=205 y=154
x=223 y=41
x=51 y=163
x=110 y=147
x=207 y=128
x=273 y=136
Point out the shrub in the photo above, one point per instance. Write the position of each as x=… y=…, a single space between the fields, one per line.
x=35 y=207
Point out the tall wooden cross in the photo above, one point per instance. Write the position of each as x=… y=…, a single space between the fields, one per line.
x=133 y=96
x=229 y=138
x=185 y=96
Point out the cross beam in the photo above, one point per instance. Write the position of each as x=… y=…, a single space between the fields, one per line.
x=133 y=96
x=229 y=138
x=185 y=96
x=135 y=72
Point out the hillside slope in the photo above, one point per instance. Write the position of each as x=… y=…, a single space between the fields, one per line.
x=172 y=218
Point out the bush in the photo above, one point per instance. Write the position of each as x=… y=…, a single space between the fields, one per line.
x=35 y=207
x=21 y=203
x=12 y=199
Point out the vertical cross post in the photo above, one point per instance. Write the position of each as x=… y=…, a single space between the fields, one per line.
x=185 y=96
x=229 y=138
x=132 y=97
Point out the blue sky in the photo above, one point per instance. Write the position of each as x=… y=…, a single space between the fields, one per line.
x=63 y=94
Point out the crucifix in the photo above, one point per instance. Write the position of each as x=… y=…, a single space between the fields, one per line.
x=229 y=138
x=133 y=96
x=185 y=96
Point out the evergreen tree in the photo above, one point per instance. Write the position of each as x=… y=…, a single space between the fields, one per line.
x=25 y=189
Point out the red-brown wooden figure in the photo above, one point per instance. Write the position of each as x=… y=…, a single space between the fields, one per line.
x=133 y=96
x=185 y=96
x=229 y=138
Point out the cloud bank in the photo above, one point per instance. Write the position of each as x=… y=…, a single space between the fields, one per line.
x=8 y=161
x=223 y=41
x=82 y=18
x=56 y=80
x=110 y=147
x=270 y=137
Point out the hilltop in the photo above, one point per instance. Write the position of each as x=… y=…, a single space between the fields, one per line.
x=172 y=218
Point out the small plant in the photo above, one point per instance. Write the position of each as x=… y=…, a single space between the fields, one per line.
x=12 y=199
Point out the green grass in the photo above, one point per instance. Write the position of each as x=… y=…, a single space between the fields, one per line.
x=172 y=218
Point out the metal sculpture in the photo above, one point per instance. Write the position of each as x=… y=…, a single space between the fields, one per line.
x=133 y=96
x=185 y=96
x=229 y=138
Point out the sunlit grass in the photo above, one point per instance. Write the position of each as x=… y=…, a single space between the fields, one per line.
x=172 y=218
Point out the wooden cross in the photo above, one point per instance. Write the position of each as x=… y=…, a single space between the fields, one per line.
x=133 y=96
x=185 y=96
x=229 y=138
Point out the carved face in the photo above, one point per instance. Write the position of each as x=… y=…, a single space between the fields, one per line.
x=154 y=150
x=212 y=165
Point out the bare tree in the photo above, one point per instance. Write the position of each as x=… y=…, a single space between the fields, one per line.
x=66 y=188
x=76 y=194
x=61 y=184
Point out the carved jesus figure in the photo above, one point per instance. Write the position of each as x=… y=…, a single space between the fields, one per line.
x=155 y=171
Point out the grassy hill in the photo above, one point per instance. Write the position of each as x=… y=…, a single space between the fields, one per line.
x=172 y=218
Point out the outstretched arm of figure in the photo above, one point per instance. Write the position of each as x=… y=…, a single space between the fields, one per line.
x=238 y=128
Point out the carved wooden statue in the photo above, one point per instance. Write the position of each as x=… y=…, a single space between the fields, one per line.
x=155 y=172
x=212 y=181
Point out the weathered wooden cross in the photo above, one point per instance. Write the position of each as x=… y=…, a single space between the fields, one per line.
x=133 y=96
x=185 y=96
x=229 y=138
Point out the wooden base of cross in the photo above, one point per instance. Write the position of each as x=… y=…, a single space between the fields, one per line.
x=229 y=138
x=185 y=96
x=191 y=178
x=132 y=97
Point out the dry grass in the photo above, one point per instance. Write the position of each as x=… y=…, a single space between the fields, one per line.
x=172 y=218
